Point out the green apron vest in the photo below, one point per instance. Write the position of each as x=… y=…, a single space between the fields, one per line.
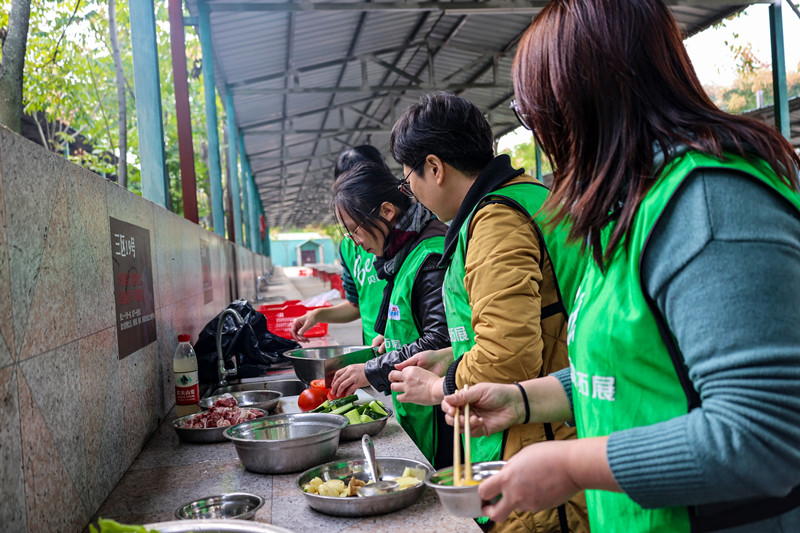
x=368 y=286
x=610 y=324
x=419 y=421
x=527 y=197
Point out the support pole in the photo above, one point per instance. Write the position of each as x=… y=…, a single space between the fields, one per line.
x=214 y=169
x=147 y=88
x=180 y=76
x=247 y=194
x=781 y=91
x=233 y=167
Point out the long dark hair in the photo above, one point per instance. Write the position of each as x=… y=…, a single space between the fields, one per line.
x=603 y=84
x=360 y=191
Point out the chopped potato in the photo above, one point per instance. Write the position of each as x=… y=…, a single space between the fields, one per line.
x=405 y=482
x=312 y=485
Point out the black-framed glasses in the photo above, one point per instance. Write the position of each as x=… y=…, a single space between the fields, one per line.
x=350 y=234
x=522 y=117
x=404 y=186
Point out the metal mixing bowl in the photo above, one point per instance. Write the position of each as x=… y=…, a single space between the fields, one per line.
x=232 y=505
x=260 y=399
x=464 y=500
x=356 y=431
x=214 y=526
x=204 y=435
x=287 y=443
x=390 y=467
x=309 y=363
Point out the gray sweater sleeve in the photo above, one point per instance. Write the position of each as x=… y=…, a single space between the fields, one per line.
x=723 y=266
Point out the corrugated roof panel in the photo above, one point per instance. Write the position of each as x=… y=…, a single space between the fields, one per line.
x=293 y=136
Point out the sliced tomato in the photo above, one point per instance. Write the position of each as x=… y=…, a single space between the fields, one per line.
x=310 y=399
x=318 y=383
x=332 y=397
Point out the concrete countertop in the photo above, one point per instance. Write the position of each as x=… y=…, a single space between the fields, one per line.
x=169 y=473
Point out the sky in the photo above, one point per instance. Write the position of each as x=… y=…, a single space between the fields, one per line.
x=713 y=60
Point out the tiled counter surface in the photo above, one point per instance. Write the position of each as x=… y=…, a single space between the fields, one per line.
x=169 y=473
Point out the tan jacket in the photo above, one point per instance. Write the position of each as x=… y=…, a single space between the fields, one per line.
x=508 y=285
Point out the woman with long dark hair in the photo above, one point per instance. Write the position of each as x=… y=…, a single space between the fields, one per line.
x=407 y=241
x=363 y=290
x=684 y=378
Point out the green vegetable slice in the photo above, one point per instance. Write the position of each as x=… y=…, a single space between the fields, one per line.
x=343 y=409
x=377 y=407
x=343 y=401
x=324 y=407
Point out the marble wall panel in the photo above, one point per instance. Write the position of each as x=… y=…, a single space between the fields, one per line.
x=91 y=251
x=54 y=380
x=141 y=378
x=7 y=353
x=12 y=489
x=102 y=413
x=168 y=257
x=29 y=208
x=48 y=483
x=191 y=280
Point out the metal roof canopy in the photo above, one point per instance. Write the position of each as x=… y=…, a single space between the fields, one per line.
x=311 y=79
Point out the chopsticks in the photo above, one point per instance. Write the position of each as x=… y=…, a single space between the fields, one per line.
x=457 y=481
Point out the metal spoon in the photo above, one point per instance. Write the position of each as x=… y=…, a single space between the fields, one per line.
x=377 y=486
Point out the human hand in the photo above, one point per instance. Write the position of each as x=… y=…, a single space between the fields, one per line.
x=493 y=407
x=416 y=385
x=348 y=379
x=302 y=324
x=543 y=462
x=437 y=361
x=378 y=344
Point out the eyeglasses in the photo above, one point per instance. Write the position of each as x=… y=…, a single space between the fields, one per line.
x=522 y=117
x=404 y=186
x=351 y=234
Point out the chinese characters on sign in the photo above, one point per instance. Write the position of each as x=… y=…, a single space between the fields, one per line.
x=133 y=286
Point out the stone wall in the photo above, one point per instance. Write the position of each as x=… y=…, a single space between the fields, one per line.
x=73 y=415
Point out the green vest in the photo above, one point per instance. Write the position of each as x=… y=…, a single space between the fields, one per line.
x=368 y=286
x=610 y=324
x=419 y=421
x=527 y=197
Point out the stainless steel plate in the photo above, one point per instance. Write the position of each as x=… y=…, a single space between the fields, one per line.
x=204 y=435
x=390 y=467
x=356 y=431
x=239 y=505
x=322 y=362
x=215 y=526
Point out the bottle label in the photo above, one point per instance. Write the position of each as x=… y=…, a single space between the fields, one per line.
x=187 y=388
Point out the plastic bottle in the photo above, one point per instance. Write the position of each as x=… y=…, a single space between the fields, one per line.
x=187 y=384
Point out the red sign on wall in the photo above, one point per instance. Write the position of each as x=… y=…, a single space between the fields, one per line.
x=133 y=286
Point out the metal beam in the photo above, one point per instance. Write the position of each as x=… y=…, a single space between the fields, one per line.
x=148 y=102
x=371 y=89
x=498 y=7
x=781 y=91
x=212 y=128
x=233 y=168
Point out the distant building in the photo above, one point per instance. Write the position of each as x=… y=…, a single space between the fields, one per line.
x=296 y=249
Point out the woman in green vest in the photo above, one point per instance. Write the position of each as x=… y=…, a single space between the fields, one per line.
x=363 y=290
x=684 y=345
x=407 y=241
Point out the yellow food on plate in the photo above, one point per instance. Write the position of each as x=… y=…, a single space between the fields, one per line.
x=333 y=487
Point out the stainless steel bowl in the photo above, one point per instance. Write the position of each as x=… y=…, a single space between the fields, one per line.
x=464 y=500
x=259 y=399
x=390 y=467
x=232 y=505
x=287 y=443
x=214 y=526
x=356 y=431
x=310 y=363
x=204 y=435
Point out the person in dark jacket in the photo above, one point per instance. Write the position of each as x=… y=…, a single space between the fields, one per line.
x=407 y=241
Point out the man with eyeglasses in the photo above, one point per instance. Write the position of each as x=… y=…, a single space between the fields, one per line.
x=505 y=315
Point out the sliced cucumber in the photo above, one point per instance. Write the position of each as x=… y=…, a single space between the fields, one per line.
x=343 y=409
x=324 y=407
x=343 y=401
x=353 y=416
x=376 y=407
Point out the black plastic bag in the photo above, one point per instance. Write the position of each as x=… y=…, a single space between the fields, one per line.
x=256 y=349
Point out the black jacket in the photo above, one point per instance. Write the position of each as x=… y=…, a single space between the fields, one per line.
x=427 y=308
